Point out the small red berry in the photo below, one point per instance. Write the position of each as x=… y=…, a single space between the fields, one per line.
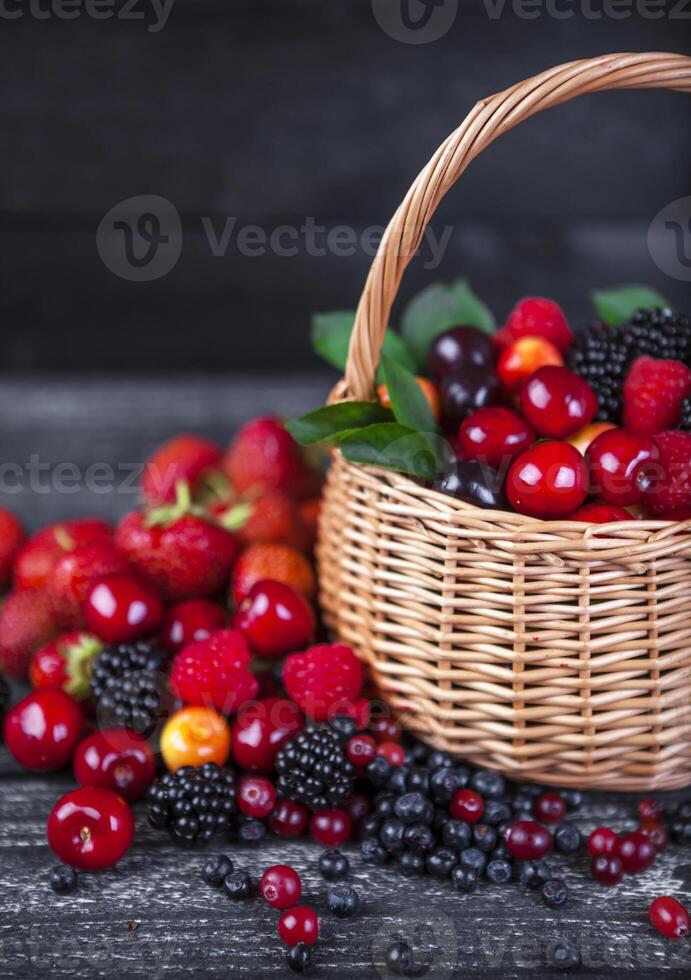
x=650 y=809
x=118 y=760
x=494 y=436
x=261 y=729
x=550 y=808
x=289 y=819
x=330 y=827
x=43 y=730
x=603 y=840
x=385 y=728
x=557 y=402
x=191 y=622
x=467 y=805
x=90 y=828
x=361 y=749
x=528 y=840
x=536 y=316
x=606 y=869
x=392 y=752
x=548 y=481
x=274 y=619
x=618 y=461
x=595 y=513
x=656 y=834
x=120 y=608
x=256 y=796
x=636 y=851
x=280 y=886
x=299 y=925
x=669 y=917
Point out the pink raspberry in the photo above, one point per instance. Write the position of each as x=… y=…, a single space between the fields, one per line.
x=654 y=392
x=215 y=672
x=671 y=484
x=537 y=317
x=325 y=680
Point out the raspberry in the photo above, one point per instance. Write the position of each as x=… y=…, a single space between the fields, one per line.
x=323 y=679
x=671 y=487
x=654 y=391
x=538 y=317
x=215 y=672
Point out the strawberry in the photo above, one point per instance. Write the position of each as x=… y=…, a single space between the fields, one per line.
x=36 y=559
x=11 y=539
x=278 y=562
x=215 y=672
x=273 y=518
x=264 y=456
x=73 y=574
x=325 y=680
x=536 y=317
x=670 y=488
x=309 y=513
x=181 y=551
x=654 y=391
x=185 y=457
x=26 y=624
x=65 y=664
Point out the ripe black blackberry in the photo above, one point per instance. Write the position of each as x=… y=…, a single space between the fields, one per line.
x=193 y=803
x=125 y=658
x=137 y=701
x=313 y=769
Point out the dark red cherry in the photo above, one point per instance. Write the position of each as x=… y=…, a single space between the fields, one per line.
x=331 y=827
x=115 y=759
x=494 y=435
x=191 y=622
x=274 y=619
x=458 y=347
x=474 y=482
x=466 y=390
x=288 y=819
x=550 y=808
x=557 y=402
x=596 y=513
x=119 y=609
x=548 y=481
x=260 y=731
x=467 y=805
x=90 y=828
x=618 y=461
x=42 y=730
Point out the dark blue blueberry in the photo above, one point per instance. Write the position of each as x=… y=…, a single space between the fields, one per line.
x=410 y=863
x=456 y=833
x=488 y=784
x=440 y=862
x=373 y=852
x=391 y=835
x=418 y=780
x=563 y=956
x=484 y=837
x=496 y=812
x=333 y=865
x=464 y=879
x=498 y=871
x=471 y=857
x=63 y=879
x=378 y=770
x=300 y=958
x=414 y=808
x=555 y=893
x=567 y=839
x=418 y=837
x=217 y=869
x=342 y=900
x=534 y=874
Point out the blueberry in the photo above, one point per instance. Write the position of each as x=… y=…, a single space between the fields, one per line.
x=378 y=770
x=414 y=808
x=344 y=726
x=418 y=837
x=440 y=862
x=555 y=893
x=456 y=833
x=300 y=958
x=562 y=955
x=399 y=960
x=333 y=865
x=471 y=857
x=534 y=874
x=410 y=863
x=391 y=835
x=498 y=871
x=573 y=798
x=484 y=837
x=397 y=780
x=445 y=782
x=342 y=900
x=464 y=879
x=238 y=885
x=370 y=826
x=251 y=831
x=438 y=760
x=567 y=839
x=488 y=784
x=496 y=812
x=418 y=780
x=384 y=804
x=372 y=851
x=63 y=879
x=217 y=869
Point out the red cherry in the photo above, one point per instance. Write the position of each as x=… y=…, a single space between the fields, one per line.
x=548 y=481
x=274 y=619
x=115 y=759
x=392 y=752
x=281 y=886
x=256 y=796
x=467 y=805
x=528 y=840
x=494 y=436
x=261 y=729
x=384 y=728
x=43 y=730
x=606 y=869
x=599 y=514
x=602 y=841
x=191 y=622
x=636 y=852
x=289 y=819
x=557 y=402
x=656 y=834
x=669 y=917
x=650 y=809
x=550 y=808
x=361 y=749
x=119 y=609
x=331 y=827
x=90 y=828
x=299 y=925
x=617 y=461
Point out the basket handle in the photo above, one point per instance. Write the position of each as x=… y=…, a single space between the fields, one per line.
x=487 y=120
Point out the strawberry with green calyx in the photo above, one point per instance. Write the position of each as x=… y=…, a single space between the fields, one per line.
x=272 y=518
x=185 y=457
x=65 y=664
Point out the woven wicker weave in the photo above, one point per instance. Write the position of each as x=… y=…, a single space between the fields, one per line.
x=556 y=652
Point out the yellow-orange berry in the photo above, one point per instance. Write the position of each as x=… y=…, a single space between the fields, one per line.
x=193 y=736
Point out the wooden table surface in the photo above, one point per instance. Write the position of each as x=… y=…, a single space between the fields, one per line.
x=153 y=916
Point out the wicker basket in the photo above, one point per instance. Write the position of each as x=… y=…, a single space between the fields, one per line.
x=551 y=651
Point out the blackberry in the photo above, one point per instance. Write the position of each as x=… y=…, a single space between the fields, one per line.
x=685 y=423
x=313 y=769
x=125 y=658
x=193 y=803
x=137 y=701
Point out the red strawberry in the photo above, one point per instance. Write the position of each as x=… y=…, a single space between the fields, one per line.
x=42 y=551
x=264 y=456
x=309 y=512
x=671 y=484
x=653 y=394
x=185 y=457
x=273 y=518
x=536 y=317
x=26 y=624
x=272 y=561
x=182 y=553
x=11 y=538
x=73 y=574
x=324 y=681
x=215 y=672
x=65 y=664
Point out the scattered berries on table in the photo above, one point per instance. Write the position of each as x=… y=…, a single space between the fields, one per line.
x=528 y=840
x=606 y=869
x=64 y=880
x=333 y=865
x=342 y=900
x=555 y=893
x=238 y=885
x=669 y=917
x=280 y=886
x=299 y=958
x=299 y=925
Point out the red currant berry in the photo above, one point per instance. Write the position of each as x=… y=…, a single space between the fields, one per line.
x=361 y=749
x=120 y=608
x=467 y=805
x=550 y=808
x=90 y=828
x=557 y=402
x=392 y=752
x=256 y=796
x=331 y=827
x=636 y=851
x=43 y=730
x=650 y=809
x=606 y=869
x=274 y=619
x=669 y=917
x=602 y=841
x=618 y=461
x=191 y=622
x=548 y=481
x=289 y=819
x=494 y=436
x=261 y=729
x=384 y=728
x=656 y=834
x=528 y=840
x=115 y=759
x=281 y=886
x=299 y=925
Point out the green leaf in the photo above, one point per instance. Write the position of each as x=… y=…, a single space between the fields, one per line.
x=410 y=406
x=331 y=338
x=330 y=423
x=614 y=306
x=438 y=308
x=396 y=447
